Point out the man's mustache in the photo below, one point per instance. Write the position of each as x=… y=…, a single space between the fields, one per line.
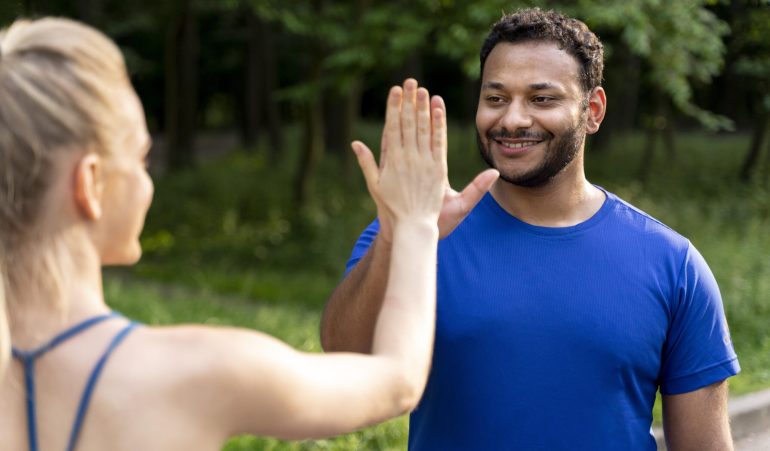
x=518 y=134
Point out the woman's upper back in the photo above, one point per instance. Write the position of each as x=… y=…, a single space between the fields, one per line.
x=147 y=395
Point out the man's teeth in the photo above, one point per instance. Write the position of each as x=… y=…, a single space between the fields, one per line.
x=518 y=145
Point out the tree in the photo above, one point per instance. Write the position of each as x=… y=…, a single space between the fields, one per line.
x=751 y=24
x=181 y=76
x=336 y=56
x=259 y=106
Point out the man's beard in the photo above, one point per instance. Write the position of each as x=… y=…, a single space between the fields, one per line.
x=559 y=153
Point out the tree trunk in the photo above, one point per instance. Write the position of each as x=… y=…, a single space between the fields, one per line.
x=313 y=134
x=181 y=85
x=351 y=117
x=348 y=110
x=755 y=148
x=312 y=151
x=260 y=108
x=341 y=114
x=252 y=82
x=271 y=112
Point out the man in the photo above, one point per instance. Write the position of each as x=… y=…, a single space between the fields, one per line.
x=561 y=308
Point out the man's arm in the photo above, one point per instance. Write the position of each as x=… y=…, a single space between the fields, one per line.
x=351 y=312
x=698 y=420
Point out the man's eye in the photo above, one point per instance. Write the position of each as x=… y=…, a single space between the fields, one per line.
x=494 y=99
x=542 y=99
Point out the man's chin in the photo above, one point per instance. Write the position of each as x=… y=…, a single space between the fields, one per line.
x=536 y=178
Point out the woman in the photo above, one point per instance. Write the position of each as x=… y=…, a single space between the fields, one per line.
x=73 y=197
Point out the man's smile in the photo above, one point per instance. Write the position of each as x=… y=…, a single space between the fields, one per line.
x=516 y=146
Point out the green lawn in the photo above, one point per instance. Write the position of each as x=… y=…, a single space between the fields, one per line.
x=224 y=246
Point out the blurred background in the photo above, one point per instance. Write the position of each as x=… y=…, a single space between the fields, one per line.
x=252 y=105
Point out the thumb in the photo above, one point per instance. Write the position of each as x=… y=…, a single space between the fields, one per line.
x=366 y=162
x=475 y=190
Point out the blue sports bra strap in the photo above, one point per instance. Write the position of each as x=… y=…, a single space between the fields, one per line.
x=29 y=383
x=28 y=358
x=92 y=380
x=63 y=336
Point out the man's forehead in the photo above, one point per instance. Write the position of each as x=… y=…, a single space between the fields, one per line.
x=541 y=62
x=542 y=48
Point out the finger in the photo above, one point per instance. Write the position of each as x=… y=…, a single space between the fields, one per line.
x=439 y=135
x=475 y=190
x=368 y=165
x=437 y=102
x=383 y=149
x=391 y=134
x=408 y=115
x=423 y=121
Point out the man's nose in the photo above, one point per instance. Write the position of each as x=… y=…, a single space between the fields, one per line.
x=516 y=116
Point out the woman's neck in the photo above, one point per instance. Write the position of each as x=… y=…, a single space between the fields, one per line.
x=52 y=285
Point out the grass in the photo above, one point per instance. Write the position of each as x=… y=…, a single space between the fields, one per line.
x=224 y=246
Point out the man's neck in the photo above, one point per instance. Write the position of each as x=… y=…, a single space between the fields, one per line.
x=568 y=199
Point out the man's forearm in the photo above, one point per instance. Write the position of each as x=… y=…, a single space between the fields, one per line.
x=698 y=420
x=351 y=312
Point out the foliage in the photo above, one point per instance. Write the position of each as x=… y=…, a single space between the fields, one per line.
x=680 y=41
x=355 y=37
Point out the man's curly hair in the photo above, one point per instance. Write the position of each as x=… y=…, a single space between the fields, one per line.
x=570 y=35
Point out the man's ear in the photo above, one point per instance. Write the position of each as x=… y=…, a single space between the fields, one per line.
x=88 y=186
x=597 y=106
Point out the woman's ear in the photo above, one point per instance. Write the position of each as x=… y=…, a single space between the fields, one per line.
x=597 y=106
x=88 y=186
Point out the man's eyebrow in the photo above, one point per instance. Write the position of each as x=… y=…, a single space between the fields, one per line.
x=543 y=86
x=492 y=85
x=534 y=86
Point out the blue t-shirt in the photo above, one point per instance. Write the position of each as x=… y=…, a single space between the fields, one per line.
x=558 y=338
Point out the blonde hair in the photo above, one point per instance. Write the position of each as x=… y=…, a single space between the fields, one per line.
x=58 y=84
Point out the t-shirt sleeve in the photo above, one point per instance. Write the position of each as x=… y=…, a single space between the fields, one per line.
x=362 y=245
x=698 y=350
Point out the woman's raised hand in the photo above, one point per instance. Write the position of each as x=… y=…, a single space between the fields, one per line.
x=410 y=182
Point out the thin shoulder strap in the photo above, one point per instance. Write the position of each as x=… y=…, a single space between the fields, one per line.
x=92 y=380
x=28 y=358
